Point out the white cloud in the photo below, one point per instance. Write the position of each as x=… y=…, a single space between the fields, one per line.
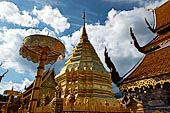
x=155 y=4
x=11 y=39
x=52 y=17
x=17 y=86
x=10 y=13
x=114 y=34
x=137 y=2
x=10 y=43
x=70 y=42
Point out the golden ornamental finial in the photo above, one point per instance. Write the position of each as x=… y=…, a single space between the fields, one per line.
x=157 y=111
x=84 y=29
x=84 y=17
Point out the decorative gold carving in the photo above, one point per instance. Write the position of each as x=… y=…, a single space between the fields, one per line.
x=32 y=48
x=4 y=108
x=58 y=91
x=157 y=111
x=145 y=83
x=43 y=99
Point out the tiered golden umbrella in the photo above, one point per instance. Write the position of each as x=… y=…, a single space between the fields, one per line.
x=44 y=50
x=10 y=93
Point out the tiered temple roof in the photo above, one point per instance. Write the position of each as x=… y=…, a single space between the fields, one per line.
x=154 y=68
x=161 y=28
x=162 y=17
x=154 y=64
x=47 y=87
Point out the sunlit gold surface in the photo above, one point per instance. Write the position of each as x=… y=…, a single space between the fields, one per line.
x=33 y=44
x=145 y=83
x=157 y=111
x=44 y=50
x=86 y=85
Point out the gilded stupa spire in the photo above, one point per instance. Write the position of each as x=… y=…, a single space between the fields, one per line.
x=84 y=77
x=84 y=34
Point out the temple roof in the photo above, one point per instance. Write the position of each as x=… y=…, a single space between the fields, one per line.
x=154 y=67
x=46 y=74
x=158 y=42
x=162 y=16
x=162 y=29
x=160 y=38
x=154 y=64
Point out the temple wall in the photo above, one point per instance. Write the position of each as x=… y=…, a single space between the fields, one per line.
x=156 y=99
x=93 y=104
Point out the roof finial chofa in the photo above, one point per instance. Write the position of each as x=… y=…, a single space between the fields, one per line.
x=84 y=34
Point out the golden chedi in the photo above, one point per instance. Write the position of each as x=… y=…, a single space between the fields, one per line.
x=85 y=83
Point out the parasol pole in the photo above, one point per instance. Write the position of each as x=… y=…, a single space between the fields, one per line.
x=37 y=81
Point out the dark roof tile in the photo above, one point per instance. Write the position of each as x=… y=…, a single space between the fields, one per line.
x=154 y=64
x=162 y=15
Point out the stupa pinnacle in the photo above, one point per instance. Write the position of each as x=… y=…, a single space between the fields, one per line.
x=84 y=34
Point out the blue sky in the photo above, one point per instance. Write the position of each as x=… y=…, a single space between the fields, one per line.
x=107 y=24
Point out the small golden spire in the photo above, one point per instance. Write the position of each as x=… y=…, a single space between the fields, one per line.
x=84 y=34
x=84 y=17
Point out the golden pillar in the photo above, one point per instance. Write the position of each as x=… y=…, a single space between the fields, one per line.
x=37 y=82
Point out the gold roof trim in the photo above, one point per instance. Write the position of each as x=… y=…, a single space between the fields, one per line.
x=146 y=83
